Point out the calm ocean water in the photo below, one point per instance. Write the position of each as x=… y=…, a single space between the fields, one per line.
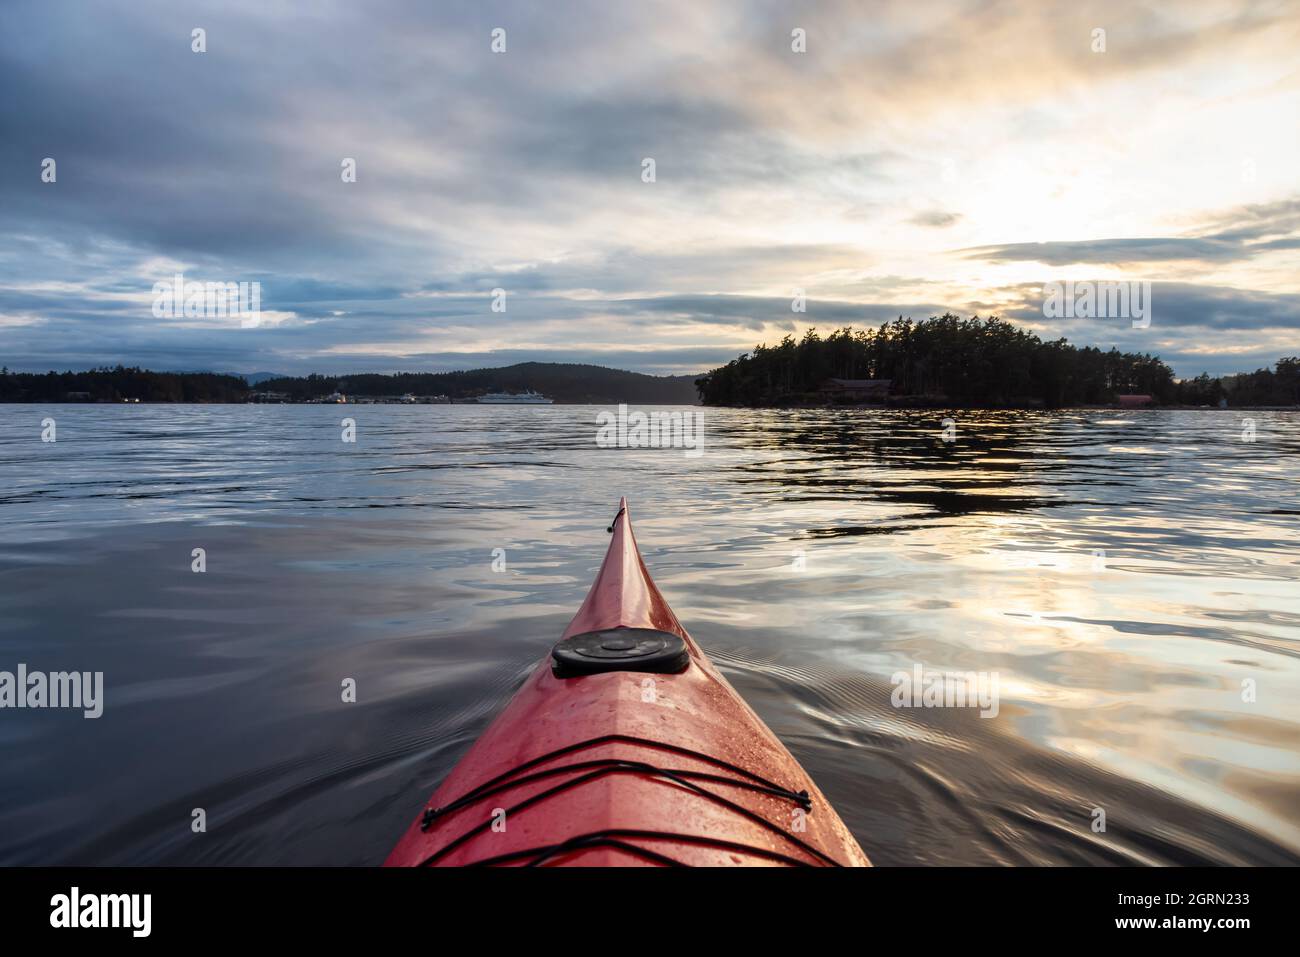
x=1122 y=573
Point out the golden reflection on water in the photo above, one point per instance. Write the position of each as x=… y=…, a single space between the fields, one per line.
x=1122 y=575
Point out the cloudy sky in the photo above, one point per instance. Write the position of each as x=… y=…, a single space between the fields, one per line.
x=919 y=157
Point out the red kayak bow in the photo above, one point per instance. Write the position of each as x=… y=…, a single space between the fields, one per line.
x=627 y=747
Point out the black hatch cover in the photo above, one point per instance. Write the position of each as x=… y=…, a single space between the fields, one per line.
x=619 y=649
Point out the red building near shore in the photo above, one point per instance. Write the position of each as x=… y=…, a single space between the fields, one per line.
x=1135 y=401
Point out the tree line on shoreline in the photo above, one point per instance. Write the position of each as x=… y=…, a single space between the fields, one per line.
x=121 y=384
x=563 y=382
x=975 y=362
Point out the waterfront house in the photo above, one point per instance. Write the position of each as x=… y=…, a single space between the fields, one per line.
x=1134 y=401
x=855 y=390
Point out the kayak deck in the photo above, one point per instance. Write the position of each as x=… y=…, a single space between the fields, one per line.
x=626 y=768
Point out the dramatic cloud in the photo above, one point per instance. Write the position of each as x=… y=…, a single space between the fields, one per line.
x=936 y=218
x=1114 y=251
x=917 y=158
x=1240 y=235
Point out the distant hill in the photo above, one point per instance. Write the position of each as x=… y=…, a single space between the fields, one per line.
x=564 y=382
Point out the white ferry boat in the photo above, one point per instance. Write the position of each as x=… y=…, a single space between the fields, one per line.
x=510 y=398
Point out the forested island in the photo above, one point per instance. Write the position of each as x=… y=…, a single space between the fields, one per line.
x=984 y=363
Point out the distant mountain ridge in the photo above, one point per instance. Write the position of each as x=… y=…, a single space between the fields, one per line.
x=566 y=383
